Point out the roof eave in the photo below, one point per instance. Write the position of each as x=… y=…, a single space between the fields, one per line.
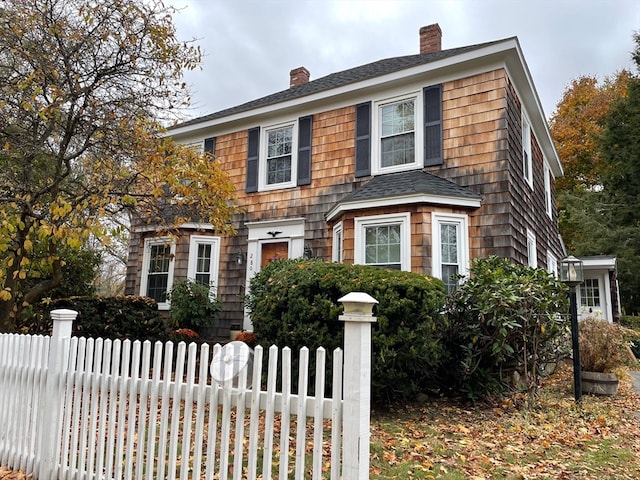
x=456 y=63
x=343 y=207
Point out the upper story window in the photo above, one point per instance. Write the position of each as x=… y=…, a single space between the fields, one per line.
x=279 y=151
x=396 y=139
x=383 y=241
x=399 y=133
x=277 y=163
x=547 y=191
x=157 y=270
x=450 y=233
x=279 y=156
x=527 y=161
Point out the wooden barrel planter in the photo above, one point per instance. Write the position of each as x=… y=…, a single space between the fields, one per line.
x=599 y=383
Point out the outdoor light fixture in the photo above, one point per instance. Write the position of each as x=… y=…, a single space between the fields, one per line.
x=571 y=271
x=571 y=274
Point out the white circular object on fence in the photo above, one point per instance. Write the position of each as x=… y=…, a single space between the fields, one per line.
x=230 y=361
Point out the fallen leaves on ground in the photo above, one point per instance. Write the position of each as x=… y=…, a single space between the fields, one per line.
x=7 y=474
x=556 y=439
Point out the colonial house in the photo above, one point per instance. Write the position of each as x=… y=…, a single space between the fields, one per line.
x=420 y=163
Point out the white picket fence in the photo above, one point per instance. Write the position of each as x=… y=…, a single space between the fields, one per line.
x=76 y=408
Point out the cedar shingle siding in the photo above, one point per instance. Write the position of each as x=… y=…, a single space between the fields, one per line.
x=473 y=152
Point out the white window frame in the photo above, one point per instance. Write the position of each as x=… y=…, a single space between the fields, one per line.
x=376 y=132
x=462 y=221
x=552 y=264
x=337 y=245
x=403 y=219
x=584 y=289
x=547 y=190
x=527 y=161
x=532 y=249
x=262 y=167
x=194 y=242
x=146 y=260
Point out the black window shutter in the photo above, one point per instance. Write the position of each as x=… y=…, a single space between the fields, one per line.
x=252 y=159
x=363 y=139
x=210 y=145
x=433 y=126
x=304 y=150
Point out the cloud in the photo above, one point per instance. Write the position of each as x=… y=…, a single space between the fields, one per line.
x=250 y=46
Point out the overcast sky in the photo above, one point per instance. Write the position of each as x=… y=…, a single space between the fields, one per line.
x=251 y=45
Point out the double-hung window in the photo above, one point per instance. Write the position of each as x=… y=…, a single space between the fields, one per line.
x=278 y=158
x=552 y=264
x=450 y=248
x=336 y=253
x=204 y=256
x=279 y=155
x=532 y=249
x=527 y=161
x=547 y=191
x=398 y=135
x=157 y=274
x=383 y=241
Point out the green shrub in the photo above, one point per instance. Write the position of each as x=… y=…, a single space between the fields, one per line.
x=192 y=305
x=505 y=318
x=294 y=303
x=122 y=317
x=630 y=321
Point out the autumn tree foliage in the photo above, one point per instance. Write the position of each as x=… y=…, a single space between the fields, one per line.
x=577 y=124
x=620 y=147
x=596 y=130
x=85 y=89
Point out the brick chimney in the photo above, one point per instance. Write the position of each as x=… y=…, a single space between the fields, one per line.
x=298 y=76
x=430 y=39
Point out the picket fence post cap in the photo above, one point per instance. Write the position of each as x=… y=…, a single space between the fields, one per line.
x=62 y=314
x=358 y=303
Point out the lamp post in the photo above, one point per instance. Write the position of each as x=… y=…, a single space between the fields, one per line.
x=572 y=275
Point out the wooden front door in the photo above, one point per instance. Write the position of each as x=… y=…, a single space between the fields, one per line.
x=273 y=251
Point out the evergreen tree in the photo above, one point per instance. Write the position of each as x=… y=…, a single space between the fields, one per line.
x=620 y=147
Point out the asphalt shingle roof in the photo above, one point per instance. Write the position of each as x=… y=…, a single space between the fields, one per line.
x=340 y=79
x=413 y=182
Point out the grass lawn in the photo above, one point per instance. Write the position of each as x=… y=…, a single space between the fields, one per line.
x=557 y=439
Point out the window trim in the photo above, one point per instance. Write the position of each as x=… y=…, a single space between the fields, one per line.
x=547 y=190
x=527 y=160
x=585 y=297
x=146 y=260
x=532 y=249
x=403 y=219
x=462 y=220
x=337 y=251
x=552 y=264
x=262 y=159
x=376 y=132
x=194 y=242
